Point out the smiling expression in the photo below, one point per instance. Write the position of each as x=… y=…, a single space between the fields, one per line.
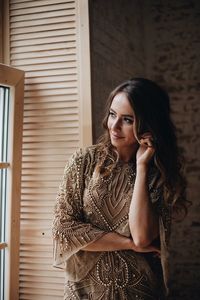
x=121 y=126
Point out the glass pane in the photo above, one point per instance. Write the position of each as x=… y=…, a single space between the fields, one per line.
x=4 y=119
x=4 y=122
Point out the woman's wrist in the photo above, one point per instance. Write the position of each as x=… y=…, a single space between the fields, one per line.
x=129 y=244
x=141 y=167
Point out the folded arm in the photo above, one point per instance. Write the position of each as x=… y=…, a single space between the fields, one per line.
x=113 y=241
x=143 y=219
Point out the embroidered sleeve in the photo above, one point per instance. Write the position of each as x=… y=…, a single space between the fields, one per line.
x=163 y=209
x=164 y=212
x=70 y=232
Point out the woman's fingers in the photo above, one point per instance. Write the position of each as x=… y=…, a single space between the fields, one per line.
x=147 y=142
x=147 y=139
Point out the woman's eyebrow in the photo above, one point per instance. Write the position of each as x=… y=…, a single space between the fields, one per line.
x=129 y=116
x=124 y=115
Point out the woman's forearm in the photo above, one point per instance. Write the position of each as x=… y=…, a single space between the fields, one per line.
x=113 y=241
x=143 y=221
x=110 y=241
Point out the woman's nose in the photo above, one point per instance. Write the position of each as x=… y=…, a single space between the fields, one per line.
x=116 y=124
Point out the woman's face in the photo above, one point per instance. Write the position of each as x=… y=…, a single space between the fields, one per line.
x=121 y=126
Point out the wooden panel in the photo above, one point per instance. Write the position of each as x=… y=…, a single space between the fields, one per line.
x=44 y=43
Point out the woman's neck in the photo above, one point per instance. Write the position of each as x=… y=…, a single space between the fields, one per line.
x=127 y=154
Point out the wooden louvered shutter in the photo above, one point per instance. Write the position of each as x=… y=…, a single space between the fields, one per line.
x=47 y=41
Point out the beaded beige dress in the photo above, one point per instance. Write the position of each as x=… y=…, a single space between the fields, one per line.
x=88 y=206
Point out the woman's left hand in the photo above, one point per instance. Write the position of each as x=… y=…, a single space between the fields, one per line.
x=146 y=150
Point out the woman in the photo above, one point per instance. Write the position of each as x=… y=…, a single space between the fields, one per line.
x=112 y=218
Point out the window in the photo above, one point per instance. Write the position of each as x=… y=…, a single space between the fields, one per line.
x=11 y=113
x=4 y=123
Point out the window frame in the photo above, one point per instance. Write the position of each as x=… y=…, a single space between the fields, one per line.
x=14 y=79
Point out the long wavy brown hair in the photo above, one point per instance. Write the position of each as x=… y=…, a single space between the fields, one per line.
x=151 y=106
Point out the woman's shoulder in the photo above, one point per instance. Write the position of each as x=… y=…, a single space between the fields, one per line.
x=89 y=153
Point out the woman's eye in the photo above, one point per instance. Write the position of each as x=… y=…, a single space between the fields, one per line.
x=128 y=121
x=112 y=114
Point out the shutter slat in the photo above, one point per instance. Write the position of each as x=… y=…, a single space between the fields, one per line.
x=42 y=28
x=51 y=131
x=37 y=202
x=45 y=151
x=43 y=60
x=36 y=209
x=30 y=255
x=43 y=297
x=31 y=4
x=42 y=15
x=15 y=10
x=27 y=50
x=36 y=217
x=43 y=34
x=69 y=78
x=42 y=41
x=53 y=66
x=35 y=260
x=37 y=198
x=51 y=105
x=53 y=20
x=51 y=112
x=55 y=86
x=41 y=126
x=39 y=145
x=37 y=273
x=41 y=279
x=41 y=93
x=47 y=165
x=43 y=285
x=51 y=98
x=44 y=158
x=39 y=291
x=43 y=54
x=50 y=119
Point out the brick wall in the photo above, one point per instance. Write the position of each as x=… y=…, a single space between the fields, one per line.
x=117 y=52
x=173 y=59
x=159 y=40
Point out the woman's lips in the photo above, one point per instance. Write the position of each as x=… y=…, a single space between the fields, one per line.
x=116 y=136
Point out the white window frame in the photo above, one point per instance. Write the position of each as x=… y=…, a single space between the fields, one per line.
x=14 y=79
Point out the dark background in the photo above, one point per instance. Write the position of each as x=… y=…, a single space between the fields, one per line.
x=159 y=40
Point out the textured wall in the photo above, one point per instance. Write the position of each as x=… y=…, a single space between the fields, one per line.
x=172 y=59
x=117 y=52
x=159 y=40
